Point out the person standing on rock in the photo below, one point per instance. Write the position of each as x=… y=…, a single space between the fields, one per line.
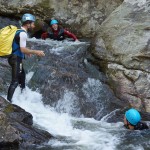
x=132 y=120
x=18 y=54
x=56 y=32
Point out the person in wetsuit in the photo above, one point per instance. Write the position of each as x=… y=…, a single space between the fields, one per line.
x=55 y=32
x=132 y=120
x=18 y=54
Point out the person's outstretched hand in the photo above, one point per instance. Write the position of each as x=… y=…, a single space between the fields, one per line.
x=40 y=53
x=77 y=40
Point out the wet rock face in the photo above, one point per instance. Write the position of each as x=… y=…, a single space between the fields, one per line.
x=84 y=17
x=124 y=43
x=8 y=21
x=4 y=75
x=67 y=81
x=16 y=128
x=65 y=78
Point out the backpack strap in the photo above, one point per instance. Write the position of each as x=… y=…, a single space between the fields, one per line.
x=17 y=39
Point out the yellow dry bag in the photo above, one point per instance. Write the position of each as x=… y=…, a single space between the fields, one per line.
x=6 y=39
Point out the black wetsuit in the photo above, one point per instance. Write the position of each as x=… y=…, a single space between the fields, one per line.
x=141 y=126
x=18 y=73
x=56 y=35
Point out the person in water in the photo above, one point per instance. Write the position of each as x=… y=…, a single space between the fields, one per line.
x=132 y=120
x=18 y=54
x=56 y=32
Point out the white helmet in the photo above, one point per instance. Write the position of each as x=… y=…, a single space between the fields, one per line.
x=28 y=17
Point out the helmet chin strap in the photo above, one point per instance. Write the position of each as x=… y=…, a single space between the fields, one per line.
x=126 y=126
x=129 y=125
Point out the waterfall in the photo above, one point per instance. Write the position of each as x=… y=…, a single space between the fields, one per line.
x=69 y=132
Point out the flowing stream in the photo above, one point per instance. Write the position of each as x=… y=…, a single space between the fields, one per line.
x=69 y=132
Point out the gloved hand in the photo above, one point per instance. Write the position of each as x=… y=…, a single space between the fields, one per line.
x=44 y=35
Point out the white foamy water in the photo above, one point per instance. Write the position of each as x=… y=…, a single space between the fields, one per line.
x=86 y=133
x=91 y=89
x=68 y=103
x=138 y=2
x=61 y=124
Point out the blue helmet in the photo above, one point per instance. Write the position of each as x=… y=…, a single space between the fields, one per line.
x=28 y=17
x=53 y=22
x=133 y=116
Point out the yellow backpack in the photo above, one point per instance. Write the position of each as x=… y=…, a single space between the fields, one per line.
x=6 y=39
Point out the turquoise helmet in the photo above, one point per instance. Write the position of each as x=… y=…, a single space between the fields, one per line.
x=53 y=22
x=28 y=17
x=133 y=116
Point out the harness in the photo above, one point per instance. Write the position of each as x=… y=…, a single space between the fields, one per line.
x=60 y=36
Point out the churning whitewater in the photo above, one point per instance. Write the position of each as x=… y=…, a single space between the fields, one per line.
x=81 y=132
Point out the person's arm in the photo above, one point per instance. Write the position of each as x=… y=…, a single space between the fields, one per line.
x=71 y=35
x=29 y=51
x=23 y=39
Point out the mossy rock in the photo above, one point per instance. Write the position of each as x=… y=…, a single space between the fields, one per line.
x=9 y=109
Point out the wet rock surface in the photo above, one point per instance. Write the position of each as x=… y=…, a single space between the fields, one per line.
x=4 y=75
x=16 y=128
x=81 y=17
x=65 y=72
x=123 y=44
